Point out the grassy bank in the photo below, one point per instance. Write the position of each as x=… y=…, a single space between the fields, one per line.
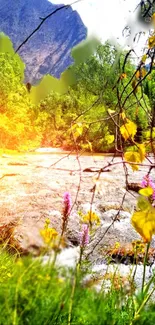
x=37 y=294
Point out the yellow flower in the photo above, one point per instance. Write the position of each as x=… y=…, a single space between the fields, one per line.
x=91 y=217
x=117 y=245
x=48 y=235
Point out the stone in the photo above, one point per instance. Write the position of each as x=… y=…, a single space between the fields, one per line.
x=37 y=194
x=111 y=214
x=109 y=233
x=124 y=272
x=68 y=257
x=49 y=150
x=86 y=207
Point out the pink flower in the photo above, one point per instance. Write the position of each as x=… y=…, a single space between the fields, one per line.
x=147 y=181
x=66 y=211
x=84 y=235
x=67 y=204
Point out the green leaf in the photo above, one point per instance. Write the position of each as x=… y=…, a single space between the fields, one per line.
x=133 y=157
x=109 y=138
x=143 y=203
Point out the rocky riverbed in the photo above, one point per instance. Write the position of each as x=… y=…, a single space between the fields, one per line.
x=32 y=187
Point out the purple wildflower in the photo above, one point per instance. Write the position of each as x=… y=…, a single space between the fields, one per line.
x=84 y=235
x=145 y=181
x=66 y=211
x=153 y=195
x=148 y=182
x=67 y=204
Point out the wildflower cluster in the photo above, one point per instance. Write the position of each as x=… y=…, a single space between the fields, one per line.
x=48 y=234
x=91 y=218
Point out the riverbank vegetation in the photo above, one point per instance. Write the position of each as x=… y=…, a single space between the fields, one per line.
x=39 y=290
x=110 y=107
x=85 y=117
x=33 y=294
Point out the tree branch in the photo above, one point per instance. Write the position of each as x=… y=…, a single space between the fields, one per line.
x=42 y=22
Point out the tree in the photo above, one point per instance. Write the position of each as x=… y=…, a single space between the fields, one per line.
x=16 y=126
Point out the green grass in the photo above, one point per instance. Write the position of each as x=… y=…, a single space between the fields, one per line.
x=37 y=294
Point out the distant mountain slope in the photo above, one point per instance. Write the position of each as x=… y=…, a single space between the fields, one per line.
x=48 y=51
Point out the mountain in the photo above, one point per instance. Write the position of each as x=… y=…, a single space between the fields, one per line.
x=49 y=49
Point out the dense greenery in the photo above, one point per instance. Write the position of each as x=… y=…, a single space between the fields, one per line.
x=37 y=294
x=80 y=117
x=16 y=115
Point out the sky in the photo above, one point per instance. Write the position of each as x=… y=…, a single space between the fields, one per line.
x=107 y=19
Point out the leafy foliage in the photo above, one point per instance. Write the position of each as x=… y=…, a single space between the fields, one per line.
x=128 y=130
x=144 y=223
x=15 y=113
x=51 y=113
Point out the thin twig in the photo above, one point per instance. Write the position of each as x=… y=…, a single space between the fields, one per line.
x=43 y=21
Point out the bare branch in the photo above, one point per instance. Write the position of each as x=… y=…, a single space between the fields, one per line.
x=43 y=20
